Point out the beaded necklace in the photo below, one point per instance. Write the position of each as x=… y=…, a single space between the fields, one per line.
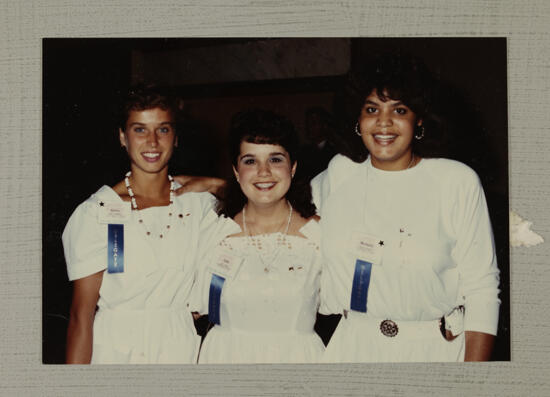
x=135 y=206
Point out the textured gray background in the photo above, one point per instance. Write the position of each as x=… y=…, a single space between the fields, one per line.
x=24 y=23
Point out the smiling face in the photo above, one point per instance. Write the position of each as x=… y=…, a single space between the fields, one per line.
x=264 y=172
x=387 y=129
x=149 y=138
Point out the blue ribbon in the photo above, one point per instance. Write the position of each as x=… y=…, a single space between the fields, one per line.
x=115 y=248
x=214 y=296
x=361 y=281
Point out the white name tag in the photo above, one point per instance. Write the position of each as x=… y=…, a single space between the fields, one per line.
x=113 y=212
x=367 y=247
x=226 y=265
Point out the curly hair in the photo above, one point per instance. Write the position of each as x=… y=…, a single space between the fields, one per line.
x=395 y=76
x=264 y=127
x=144 y=97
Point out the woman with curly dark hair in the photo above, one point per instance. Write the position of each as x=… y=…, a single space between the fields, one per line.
x=407 y=241
x=260 y=286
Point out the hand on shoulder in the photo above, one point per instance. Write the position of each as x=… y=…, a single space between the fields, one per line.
x=316 y=218
x=198 y=184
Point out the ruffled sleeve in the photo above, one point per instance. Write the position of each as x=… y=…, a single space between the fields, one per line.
x=312 y=230
x=338 y=170
x=214 y=228
x=85 y=239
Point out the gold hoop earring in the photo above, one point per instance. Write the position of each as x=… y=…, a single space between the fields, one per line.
x=357 y=131
x=419 y=137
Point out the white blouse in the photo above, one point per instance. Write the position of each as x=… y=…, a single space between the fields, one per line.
x=434 y=234
x=268 y=307
x=143 y=313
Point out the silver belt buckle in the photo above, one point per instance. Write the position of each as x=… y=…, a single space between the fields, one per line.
x=389 y=328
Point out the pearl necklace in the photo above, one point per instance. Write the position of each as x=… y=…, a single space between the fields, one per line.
x=135 y=206
x=253 y=242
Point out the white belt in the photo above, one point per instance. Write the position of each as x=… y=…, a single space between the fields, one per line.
x=390 y=327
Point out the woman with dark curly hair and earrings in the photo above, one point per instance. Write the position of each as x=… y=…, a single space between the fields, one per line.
x=409 y=257
x=131 y=250
x=260 y=286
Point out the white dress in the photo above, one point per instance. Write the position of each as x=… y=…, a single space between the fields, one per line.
x=431 y=228
x=265 y=317
x=143 y=314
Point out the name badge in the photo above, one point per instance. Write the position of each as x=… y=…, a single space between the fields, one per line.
x=227 y=265
x=360 y=287
x=367 y=250
x=366 y=247
x=224 y=267
x=113 y=212
x=214 y=298
x=115 y=248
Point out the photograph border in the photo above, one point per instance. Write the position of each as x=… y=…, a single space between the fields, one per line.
x=26 y=22
x=261 y=77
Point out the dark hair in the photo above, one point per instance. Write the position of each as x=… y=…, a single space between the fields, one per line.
x=144 y=97
x=264 y=127
x=395 y=76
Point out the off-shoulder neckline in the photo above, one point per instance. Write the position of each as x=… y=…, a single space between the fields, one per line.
x=305 y=235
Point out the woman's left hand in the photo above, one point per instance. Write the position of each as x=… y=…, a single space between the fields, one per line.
x=479 y=346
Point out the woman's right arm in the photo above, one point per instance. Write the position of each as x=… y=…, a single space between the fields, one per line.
x=80 y=330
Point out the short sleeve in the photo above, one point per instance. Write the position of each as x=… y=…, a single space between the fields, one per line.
x=85 y=242
x=312 y=230
x=208 y=203
x=213 y=227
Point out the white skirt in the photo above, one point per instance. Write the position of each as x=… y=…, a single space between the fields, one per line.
x=155 y=336
x=358 y=338
x=228 y=346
